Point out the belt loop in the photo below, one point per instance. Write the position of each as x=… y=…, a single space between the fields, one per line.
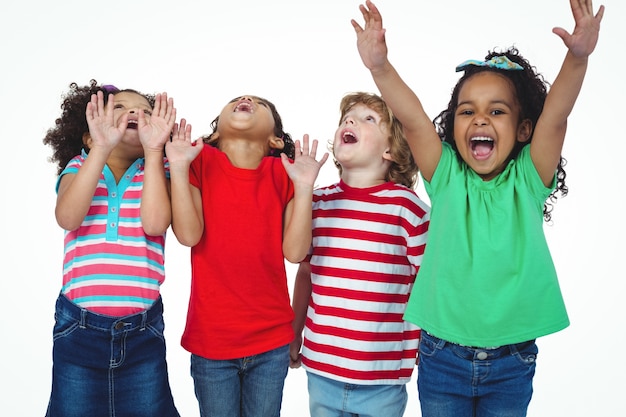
x=83 y=318
x=144 y=319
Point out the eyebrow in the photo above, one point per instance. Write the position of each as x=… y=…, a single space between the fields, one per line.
x=125 y=102
x=492 y=102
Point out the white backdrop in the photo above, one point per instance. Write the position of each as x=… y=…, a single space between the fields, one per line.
x=302 y=56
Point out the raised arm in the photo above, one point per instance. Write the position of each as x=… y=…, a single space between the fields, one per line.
x=156 y=211
x=550 y=131
x=76 y=191
x=187 y=217
x=419 y=130
x=298 y=216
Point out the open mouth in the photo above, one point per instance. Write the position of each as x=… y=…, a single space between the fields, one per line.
x=132 y=124
x=244 y=106
x=349 y=137
x=481 y=146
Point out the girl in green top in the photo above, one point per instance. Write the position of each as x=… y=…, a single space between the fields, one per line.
x=487 y=286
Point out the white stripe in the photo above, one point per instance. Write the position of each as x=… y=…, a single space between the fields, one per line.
x=323 y=241
x=114 y=283
x=357 y=365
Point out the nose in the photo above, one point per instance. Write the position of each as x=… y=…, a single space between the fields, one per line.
x=349 y=121
x=481 y=120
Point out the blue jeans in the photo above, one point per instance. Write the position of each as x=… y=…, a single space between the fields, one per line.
x=331 y=398
x=109 y=366
x=244 y=387
x=459 y=381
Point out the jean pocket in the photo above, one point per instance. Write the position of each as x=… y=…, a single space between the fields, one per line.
x=63 y=326
x=428 y=346
x=157 y=327
x=526 y=352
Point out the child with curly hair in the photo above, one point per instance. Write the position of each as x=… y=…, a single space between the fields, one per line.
x=242 y=206
x=369 y=234
x=113 y=203
x=487 y=287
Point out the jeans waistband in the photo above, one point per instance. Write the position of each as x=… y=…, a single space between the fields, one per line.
x=481 y=353
x=90 y=319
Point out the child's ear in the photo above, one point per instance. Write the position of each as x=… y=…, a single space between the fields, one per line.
x=87 y=140
x=524 y=130
x=276 y=142
x=387 y=155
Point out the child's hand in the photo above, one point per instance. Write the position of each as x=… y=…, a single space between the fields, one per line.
x=295 y=358
x=154 y=133
x=180 y=150
x=304 y=169
x=583 y=40
x=371 y=40
x=104 y=134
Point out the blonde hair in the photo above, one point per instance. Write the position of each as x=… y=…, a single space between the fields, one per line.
x=403 y=169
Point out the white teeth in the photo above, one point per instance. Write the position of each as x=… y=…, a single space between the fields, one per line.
x=243 y=107
x=482 y=139
x=349 y=137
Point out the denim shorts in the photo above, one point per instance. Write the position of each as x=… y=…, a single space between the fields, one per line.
x=332 y=398
x=243 y=387
x=109 y=366
x=460 y=381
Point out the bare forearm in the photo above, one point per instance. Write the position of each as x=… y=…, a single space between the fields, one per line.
x=156 y=211
x=301 y=295
x=76 y=192
x=187 y=220
x=565 y=90
x=403 y=102
x=298 y=223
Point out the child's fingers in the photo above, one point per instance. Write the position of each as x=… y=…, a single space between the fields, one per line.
x=314 y=147
x=109 y=106
x=305 y=145
x=298 y=148
x=157 y=105
x=171 y=110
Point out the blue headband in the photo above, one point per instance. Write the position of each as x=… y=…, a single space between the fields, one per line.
x=499 y=62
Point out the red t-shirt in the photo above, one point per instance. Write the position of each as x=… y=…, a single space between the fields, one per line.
x=239 y=304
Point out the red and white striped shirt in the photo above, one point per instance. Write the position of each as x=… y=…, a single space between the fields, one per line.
x=367 y=248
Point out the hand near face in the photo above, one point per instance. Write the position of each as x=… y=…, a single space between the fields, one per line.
x=155 y=130
x=103 y=130
x=304 y=169
x=181 y=150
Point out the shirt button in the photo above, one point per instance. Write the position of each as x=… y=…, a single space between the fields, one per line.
x=482 y=356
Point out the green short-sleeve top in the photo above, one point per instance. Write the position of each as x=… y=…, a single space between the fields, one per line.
x=487 y=277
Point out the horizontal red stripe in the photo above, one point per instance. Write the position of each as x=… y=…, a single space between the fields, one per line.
x=371 y=375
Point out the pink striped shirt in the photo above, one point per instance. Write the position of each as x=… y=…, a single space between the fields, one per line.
x=110 y=265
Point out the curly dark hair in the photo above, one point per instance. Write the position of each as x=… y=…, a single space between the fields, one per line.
x=66 y=137
x=289 y=149
x=531 y=91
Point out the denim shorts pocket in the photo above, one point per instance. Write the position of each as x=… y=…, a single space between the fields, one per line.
x=428 y=345
x=526 y=352
x=63 y=326
x=157 y=327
